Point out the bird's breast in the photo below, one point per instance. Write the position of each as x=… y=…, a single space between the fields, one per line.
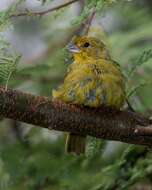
x=93 y=84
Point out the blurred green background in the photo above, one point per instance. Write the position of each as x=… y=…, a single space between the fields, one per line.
x=32 y=158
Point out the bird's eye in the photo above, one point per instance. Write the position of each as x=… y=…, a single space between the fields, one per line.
x=86 y=45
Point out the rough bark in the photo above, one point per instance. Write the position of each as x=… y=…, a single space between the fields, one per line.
x=105 y=122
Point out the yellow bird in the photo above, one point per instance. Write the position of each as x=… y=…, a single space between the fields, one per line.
x=93 y=80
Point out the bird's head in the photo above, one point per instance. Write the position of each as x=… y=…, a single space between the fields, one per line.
x=85 y=47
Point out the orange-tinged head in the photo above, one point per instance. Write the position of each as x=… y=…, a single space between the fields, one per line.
x=85 y=47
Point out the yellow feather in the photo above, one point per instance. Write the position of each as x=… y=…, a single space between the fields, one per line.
x=93 y=79
x=103 y=78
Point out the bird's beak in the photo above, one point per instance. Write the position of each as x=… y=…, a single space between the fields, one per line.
x=73 y=48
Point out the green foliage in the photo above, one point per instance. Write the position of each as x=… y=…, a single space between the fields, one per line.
x=37 y=159
x=6 y=15
x=8 y=63
x=145 y=56
x=123 y=172
x=90 y=5
x=4 y=21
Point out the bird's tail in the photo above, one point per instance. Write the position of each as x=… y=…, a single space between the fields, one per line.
x=75 y=144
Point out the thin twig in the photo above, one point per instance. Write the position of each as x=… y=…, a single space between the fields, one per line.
x=129 y=105
x=137 y=87
x=84 y=27
x=41 y=13
x=89 y=21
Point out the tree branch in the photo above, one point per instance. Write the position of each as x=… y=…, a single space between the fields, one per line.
x=107 y=123
x=89 y=21
x=41 y=13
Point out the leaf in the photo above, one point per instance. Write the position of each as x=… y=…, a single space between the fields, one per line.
x=7 y=67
